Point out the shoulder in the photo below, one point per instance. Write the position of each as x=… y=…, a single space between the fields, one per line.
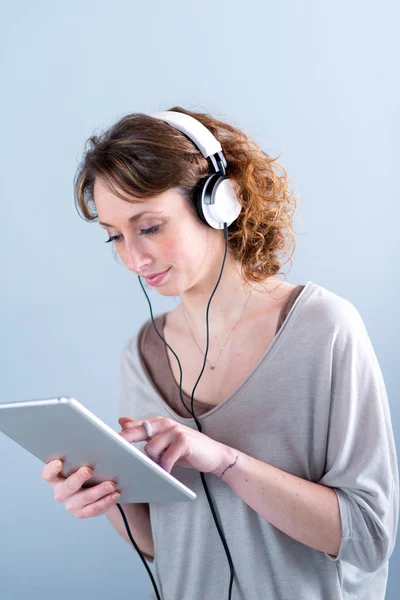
x=325 y=309
x=130 y=349
x=129 y=352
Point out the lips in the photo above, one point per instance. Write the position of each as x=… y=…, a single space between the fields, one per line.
x=156 y=280
x=155 y=274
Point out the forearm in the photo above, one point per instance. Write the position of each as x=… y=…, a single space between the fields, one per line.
x=306 y=511
x=138 y=518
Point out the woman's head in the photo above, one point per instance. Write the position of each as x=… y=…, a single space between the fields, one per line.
x=158 y=234
x=144 y=164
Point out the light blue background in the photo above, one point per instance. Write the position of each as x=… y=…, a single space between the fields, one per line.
x=317 y=81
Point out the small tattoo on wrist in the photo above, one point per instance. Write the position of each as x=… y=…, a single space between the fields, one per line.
x=231 y=465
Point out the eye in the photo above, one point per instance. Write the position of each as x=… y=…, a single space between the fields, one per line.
x=150 y=231
x=114 y=238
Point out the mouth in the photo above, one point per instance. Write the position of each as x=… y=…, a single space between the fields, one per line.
x=157 y=277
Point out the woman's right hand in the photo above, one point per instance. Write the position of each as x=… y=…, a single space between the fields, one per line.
x=83 y=503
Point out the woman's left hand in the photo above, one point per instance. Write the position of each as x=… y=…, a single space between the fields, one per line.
x=173 y=443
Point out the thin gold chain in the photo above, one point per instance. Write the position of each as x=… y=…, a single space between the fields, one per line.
x=212 y=366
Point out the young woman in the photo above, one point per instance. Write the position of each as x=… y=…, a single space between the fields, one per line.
x=296 y=444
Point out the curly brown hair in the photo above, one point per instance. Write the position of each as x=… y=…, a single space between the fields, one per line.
x=144 y=156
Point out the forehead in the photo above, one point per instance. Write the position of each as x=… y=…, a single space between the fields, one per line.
x=109 y=204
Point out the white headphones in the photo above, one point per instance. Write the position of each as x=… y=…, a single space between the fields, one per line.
x=216 y=200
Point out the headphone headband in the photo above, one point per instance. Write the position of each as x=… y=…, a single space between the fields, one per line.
x=200 y=135
x=216 y=199
x=206 y=142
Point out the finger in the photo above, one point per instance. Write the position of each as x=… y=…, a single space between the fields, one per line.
x=139 y=423
x=72 y=484
x=88 y=497
x=157 y=445
x=97 y=508
x=171 y=455
x=52 y=469
x=136 y=431
x=123 y=420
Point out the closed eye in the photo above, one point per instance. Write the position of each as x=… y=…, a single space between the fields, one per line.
x=151 y=231
x=114 y=238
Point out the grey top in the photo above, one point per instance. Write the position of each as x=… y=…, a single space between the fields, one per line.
x=316 y=406
x=154 y=356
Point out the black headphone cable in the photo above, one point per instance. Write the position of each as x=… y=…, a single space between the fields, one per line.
x=199 y=427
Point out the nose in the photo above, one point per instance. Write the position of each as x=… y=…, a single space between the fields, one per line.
x=135 y=260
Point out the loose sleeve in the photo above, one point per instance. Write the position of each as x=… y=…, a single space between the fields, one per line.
x=132 y=385
x=125 y=398
x=361 y=463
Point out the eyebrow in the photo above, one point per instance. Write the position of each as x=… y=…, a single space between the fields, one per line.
x=134 y=218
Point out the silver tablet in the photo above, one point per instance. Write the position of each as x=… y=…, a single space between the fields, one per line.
x=63 y=428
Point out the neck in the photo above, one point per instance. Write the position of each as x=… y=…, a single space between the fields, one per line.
x=228 y=301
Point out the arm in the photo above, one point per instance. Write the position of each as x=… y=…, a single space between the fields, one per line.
x=361 y=471
x=138 y=519
x=137 y=514
x=306 y=511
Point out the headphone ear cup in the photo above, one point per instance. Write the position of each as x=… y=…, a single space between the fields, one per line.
x=198 y=199
x=204 y=192
x=225 y=206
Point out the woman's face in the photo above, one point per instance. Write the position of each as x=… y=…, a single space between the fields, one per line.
x=161 y=234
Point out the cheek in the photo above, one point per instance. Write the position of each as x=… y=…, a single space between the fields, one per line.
x=181 y=254
x=170 y=249
x=185 y=248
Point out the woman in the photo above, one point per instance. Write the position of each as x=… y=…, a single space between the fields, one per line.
x=297 y=443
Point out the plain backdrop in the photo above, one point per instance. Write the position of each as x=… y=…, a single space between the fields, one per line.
x=315 y=81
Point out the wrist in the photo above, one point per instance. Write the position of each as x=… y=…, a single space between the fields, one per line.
x=228 y=459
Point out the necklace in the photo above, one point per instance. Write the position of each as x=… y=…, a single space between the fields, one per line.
x=212 y=366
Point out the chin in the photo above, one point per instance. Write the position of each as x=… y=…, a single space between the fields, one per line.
x=167 y=292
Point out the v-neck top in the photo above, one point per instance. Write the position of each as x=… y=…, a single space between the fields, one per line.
x=314 y=406
x=155 y=358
